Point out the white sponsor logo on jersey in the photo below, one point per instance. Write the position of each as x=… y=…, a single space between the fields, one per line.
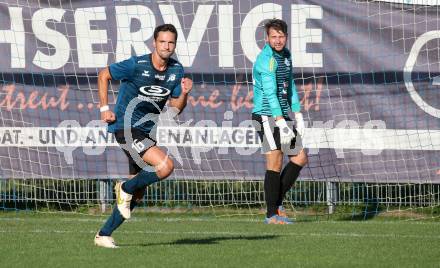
x=146 y=73
x=156 y=91
x=160 y=77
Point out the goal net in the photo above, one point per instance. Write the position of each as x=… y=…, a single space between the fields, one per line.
x=366 y=73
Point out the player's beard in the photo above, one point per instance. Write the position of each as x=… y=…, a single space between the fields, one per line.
x=165 y=55
x=278 y=47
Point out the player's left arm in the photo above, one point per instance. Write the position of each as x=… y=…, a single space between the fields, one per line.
x=293 y=96
x=179 y=102
x=296 y=106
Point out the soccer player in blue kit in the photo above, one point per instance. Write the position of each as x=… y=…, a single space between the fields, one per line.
x=147 y=83
x=274 y=95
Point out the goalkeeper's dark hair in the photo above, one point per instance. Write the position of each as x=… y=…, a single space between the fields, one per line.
x=277 y=25
x=165 y=28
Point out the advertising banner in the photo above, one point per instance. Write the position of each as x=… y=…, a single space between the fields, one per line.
x=367 y=74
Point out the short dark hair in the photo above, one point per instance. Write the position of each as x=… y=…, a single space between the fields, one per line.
x=277 y=25
x=165 y=28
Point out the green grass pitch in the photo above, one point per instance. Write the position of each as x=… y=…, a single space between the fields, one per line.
x=182 y=240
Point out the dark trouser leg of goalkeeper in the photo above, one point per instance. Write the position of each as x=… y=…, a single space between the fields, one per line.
x=272 y=191
x=288 y=177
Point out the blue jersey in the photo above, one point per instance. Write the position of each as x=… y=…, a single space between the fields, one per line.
x=143 y=91
x=274 y=90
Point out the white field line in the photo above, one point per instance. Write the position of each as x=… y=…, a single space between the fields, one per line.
x=101 y=219
x=238 y=234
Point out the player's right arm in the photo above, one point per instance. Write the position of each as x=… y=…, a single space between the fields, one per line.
x=106 y=114
x=119 y=71
x=267 y=67
x=269 y=84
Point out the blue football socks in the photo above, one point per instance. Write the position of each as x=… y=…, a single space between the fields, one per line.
x=115 y=220
x=140 y=181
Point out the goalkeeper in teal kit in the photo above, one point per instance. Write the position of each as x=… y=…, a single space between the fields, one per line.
x=274 y=95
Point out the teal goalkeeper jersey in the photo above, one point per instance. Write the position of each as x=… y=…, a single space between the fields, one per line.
x=274 y=90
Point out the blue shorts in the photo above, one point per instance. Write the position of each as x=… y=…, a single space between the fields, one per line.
x=140 y=142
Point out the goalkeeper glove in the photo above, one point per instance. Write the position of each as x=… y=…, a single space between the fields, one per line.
x=286 y=134
x=300 y=126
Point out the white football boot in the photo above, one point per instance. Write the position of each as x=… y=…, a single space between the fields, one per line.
x=105 y=241
x=123 y=200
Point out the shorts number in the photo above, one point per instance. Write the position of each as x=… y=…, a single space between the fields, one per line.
x=138 y=146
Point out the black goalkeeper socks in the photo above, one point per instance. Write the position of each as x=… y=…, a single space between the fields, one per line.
x=288 y=177
x=272 y=191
